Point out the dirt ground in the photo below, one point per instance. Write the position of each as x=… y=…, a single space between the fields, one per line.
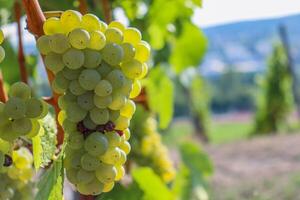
x=262 y=168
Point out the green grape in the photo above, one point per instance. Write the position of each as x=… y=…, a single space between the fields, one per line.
x=125 y=146
x=76 y=159
x=111 y=156
x=70 y=19
x=75 y=113
x=56 y=88
x=120 y=173
x=96 y=144
x=35 y=129
x=118 y=25
x=69 y=126
x=88 y=123
x=127 y=87
x=22 y=126
x=54 y=62
x=52 y=26
x=84 y=176
x=113 y=138
x=104 y=69
x=62 y=81
x=118 y=101
x=132 y=69
x=86 y=100
x=20 y=90
x=114 y=115
x=89 y=162
x=144 y=71
x=75 y=140
x=6 y=132
x=70 y=97
x=142 y=51
x=15 y=108
x=122 y=123
x=35 y=108
x=75 y=88
x=99 y=116
x=90 y=22
x=94 y=187
x=102 y=102
x=71 y=74
x=92 y=58
x=89 y=78
x=132 y=35
x=103 y=88
x=106 y=173
x=73 y=58
x=2 y=54
x=97 y=40
x=61 y=117
x=72 y=175
x=112 y=54
x=122 y=159
x=108 y=187
x=128 y=109
x=79 y=38
x=127 y=134
x=43 y=44
x=1 y=36
x=59 y=43
x=116 y=78
x=129 y=52
x=103 y=26
x=114 y=35
x=136 y=89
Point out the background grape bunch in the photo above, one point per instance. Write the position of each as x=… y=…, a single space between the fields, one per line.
x=97 y=68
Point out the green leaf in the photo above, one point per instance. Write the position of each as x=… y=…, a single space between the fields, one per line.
x=182 y=186
x=160 y=90
x=151 y=184
x=133 y=192
x=189 y=48
x=50 y=186
x=37 y=150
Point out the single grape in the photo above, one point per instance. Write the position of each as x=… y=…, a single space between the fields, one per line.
x=116 y=24
x=62 y=81
x=129 y=52
x=70 y=19
x=120 y=173
x=89 y=78
x=54 y=62
x=86 y=100
x=128 y=109
x=99 y=116
x=106 y=173
x=71 y=74
x=127 y=134
x=97 y=40
x=69 y=126
x=92 y=58
x=94 y=187
x=144 y=71
x=104 y=69
x=116 y=78
x=125 y=146
x=88 y=123
x=35 y=108
x=59 y=43
x=103 y=88
x=132 y=69
x=114 y=115
x=102 y=102
x=89 y=162
x=132 y=35
x=103 y=26
x=2 y=54
x=113 y=138
x=127 y=87
x=72 y=175
x=61 y=117
x=1 y=36
x=84 y=176
x=20 y=90
x=75 y=140
x=15 y=108
x=52 y=26
x=90 y=22
x=75 y=88
x=56 y=88
x=96 y=144
x=70 y=97
x=118 y=101
x=75 y=113
x=122 y=123
x=73 y=58
x=7 y=133
x=111 y=156
x=43 y=44
x=136 y=89
x=35 y=129
x=112 y=54
x=114 y=35
x=142 y=51
x=79 y=38
x=76 y=158
x=122 y=159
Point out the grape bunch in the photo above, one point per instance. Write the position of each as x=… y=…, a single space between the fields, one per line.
x=20 y=115
x=2 y=52
x=97 y=70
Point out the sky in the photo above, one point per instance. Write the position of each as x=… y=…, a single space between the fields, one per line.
x=216 y=12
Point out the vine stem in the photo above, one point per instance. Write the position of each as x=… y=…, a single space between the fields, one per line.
x=35 y=21
x=83 y=8
x=3 y=94
x=106 y=10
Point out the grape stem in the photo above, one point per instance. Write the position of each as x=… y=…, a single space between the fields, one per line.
x=21 y=56
x=3 y=94
x=83 y=8
x=106 y=10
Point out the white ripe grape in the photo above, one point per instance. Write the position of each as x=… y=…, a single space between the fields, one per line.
x=118 y=100
x=70 y=19
x=61 y=117
x=114 y=35
x=102 y=102
x=61 y=81
x=88 y=123
x=89 y=78
x=43 y=44
x=116 y=78
x=35 y=129
x=97 y=40
x=86 y=100
x=22 y=126
x=2 y=54
x=96 y=144
x=136 y=89
x=75 y=113
x=35 y=108
x=114 y=115
x=56 y=88
x=128 y=109
x=125 y=146
x=106 y=173
x=99 y=116
x=52 y=26
x=6 y=132
x=103 y=26
x=79 y=38
x=127 y=134
x=71 y=74
x=69 y=126
x=15 y=108
x=103 y=88
x=75 y=140
x=76 y=159
x=95 y=187
x=90 y=22
x=113 y=138
x=84 y=176
x=120 y=173
x=1 y=36
x=127 y=87
x=20 y=90
x=129 y=52
x=54 y=62
x=142 y=51
x=112 y=54
x=108 y=186
x=132 y=69
x=132 y=35
x=72 y=175
x=111 y=156
x=70 y=97
x=89 y=162
x=59 y=43
x=116 y=24
x=76 y=88
x=73 y=58
x=144 y=71
x=122 y=123
x=104 y=69
x=92 y=58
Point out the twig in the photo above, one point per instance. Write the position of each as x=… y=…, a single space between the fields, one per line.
x=3 y=94
x=83 y=8
x=106 y=10
x=21 y=57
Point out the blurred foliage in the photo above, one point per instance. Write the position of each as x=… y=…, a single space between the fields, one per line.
x=276 y=99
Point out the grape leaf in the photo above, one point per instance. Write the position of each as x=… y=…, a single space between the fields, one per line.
x=37 y=150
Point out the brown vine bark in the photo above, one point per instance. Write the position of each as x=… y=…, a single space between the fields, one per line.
x=106 y=10
x=83 y=7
